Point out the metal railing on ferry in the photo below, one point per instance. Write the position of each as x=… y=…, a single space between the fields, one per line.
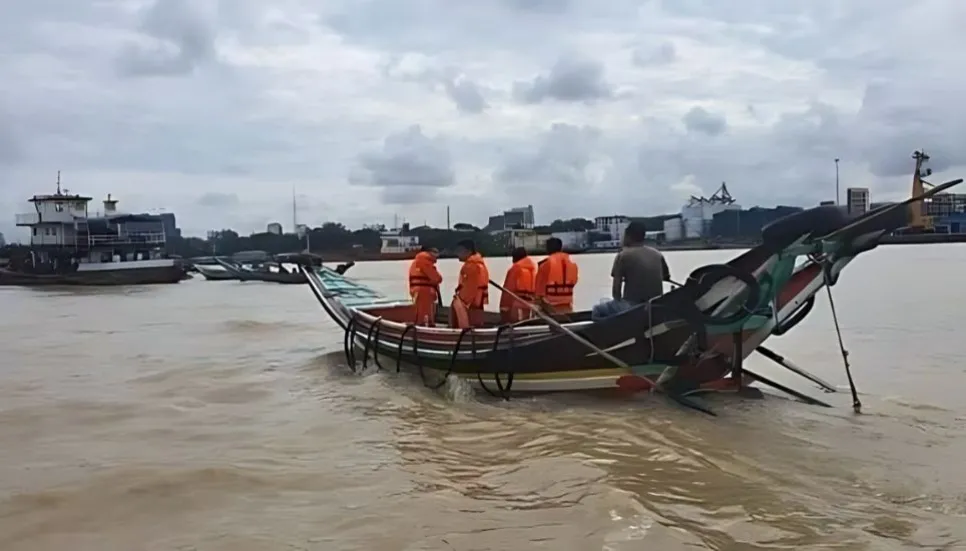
x=132 y=238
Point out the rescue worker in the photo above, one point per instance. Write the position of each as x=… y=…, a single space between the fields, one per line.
x=424 y=282
x=521 y=281
x=556 y=279
x=472 y=291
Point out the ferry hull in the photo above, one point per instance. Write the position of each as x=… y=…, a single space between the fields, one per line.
x=135 y=275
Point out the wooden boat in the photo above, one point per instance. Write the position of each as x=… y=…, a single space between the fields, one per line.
x=215 y=273
x=692 y=339
x=143 y=272
x=272 y=272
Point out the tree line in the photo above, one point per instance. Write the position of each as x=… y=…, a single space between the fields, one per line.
x=333 y=237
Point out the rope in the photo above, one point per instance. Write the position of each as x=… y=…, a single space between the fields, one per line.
x=504 y=391
x=402 y=340
x=372 y=333
x=348 y=343
x=452 y=358
x=856 y=403
x=795 y=318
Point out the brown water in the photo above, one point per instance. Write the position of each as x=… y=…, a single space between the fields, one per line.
x=220 y=416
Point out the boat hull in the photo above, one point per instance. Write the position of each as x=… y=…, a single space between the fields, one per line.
x=542 y=360
x=215 y=274
x=272 y=277
x=242 y=274
x=102 y=275
x=697 y=335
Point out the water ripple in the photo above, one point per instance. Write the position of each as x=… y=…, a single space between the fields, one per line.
x=206 y=416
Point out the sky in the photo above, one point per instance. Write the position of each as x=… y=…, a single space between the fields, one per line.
x=378 y=110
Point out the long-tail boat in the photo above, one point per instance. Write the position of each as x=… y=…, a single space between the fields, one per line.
x=689 y=340
x=272 y=272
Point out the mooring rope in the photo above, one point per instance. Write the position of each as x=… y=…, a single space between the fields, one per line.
x=372 y=343
x=856 y=403
x=504 y=390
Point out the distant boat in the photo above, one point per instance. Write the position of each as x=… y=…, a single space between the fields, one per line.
x=272 y=272
x=69 y=247
x=215 y=272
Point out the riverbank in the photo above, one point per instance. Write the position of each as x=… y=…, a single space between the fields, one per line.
x=924 y=238
x=906 y=239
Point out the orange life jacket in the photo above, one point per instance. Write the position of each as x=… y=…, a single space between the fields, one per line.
x=423 y=275
x=474 y=286
x=556 y=279
x=521 y=281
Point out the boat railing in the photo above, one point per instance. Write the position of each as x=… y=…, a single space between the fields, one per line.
x=130 y=238
x=27 y=219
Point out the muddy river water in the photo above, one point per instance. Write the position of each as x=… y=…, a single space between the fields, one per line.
x=221 y=416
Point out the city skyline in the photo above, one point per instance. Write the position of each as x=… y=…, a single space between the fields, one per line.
x=525 y=217
x=215 y=115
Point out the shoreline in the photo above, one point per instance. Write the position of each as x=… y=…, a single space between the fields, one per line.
x=907 y=239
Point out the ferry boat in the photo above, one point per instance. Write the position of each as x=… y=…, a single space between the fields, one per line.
x=398 y=244
x=68 y=246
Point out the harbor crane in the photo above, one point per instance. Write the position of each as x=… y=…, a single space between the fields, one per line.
x=919 y=219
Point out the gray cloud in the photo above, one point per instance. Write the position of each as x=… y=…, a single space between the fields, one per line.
x=418 y=69
x=560 y=157
x=217 y=200
x=570 y=79
x=651 y=56
x=700 y=120
x=409 y=167
x=541 y=6
x=11 y=150
x=295 y=92
x=466 y=95
x=556 y=171
x=176 y=40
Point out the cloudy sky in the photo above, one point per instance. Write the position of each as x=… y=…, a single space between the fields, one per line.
x=214 y=110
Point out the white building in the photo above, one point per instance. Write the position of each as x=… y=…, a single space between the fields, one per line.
x=613 y=227
x=520 y=216
x=2 y=240
x=530 y=240
x=857 y=200
x=301 y=230
x=674 y=229
x=697 y=214
x=572 y=240
x=396 y=242
x=274 y=228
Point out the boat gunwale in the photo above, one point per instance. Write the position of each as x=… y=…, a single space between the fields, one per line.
x=368 y=318
x=389 y=345
x=443 y=348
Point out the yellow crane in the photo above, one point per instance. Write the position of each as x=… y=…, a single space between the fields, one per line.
x=919 y=220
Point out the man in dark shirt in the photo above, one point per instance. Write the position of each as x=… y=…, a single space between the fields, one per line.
x=638 y=274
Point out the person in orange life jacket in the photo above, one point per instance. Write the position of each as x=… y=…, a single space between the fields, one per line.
x=556 y=279
x=521 y=281
x=424 y=282
x=472 y=291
